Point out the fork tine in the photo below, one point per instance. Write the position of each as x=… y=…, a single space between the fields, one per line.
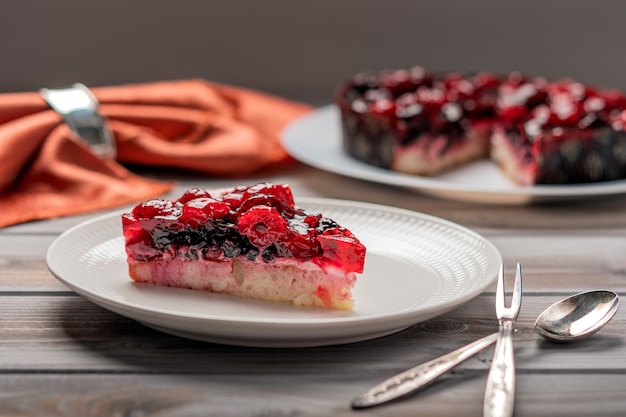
x=501 y=310
x=500 y=295
x=516 y=301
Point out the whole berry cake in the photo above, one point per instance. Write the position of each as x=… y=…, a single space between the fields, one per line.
x=246 y=241
x=539 y=132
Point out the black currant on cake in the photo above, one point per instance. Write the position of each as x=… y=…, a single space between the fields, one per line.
x=539 y=132
x=250 y=241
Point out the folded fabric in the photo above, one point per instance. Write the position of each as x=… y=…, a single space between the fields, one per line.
x=196 y=125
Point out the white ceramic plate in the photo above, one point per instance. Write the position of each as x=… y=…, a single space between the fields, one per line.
x=315 y=139
x=417 y=267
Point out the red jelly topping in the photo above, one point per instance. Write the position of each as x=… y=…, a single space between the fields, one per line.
x=261 y=220
x=414 y=101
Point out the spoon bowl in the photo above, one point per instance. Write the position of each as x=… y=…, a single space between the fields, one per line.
x=577 y=316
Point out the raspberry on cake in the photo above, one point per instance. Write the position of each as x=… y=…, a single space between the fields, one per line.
x=539 y=132
x=246 y=241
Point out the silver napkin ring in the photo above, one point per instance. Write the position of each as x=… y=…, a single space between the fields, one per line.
x=79 y=109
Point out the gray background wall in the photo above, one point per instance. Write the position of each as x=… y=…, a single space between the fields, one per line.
x=303 y=49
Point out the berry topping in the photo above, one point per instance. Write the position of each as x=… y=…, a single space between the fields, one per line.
x=397 y=82
x=265 y=194
x=199 y=211
x=303 y=246
x=193 y=194
x=263 y=225
x=233 y=198
x=257 y=222
x=155 y=208
x=342 y=249
x=137 y=236
x=413 y=102
x=614 y=100
x=278 y=192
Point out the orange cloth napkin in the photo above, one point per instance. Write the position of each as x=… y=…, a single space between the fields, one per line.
x=196 y=125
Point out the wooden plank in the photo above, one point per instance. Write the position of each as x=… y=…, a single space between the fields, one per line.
x=27 y=274
x=303 y=395
x=25 y=246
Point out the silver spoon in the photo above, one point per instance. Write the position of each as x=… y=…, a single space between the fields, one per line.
x=576 y=317
x=570 y=319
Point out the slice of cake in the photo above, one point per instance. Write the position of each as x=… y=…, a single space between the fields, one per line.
x=246 y=241
x=538 y=132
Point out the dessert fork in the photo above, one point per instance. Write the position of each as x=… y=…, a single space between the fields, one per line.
x=500 y=390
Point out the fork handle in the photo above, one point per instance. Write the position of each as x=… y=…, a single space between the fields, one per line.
x=500 y=389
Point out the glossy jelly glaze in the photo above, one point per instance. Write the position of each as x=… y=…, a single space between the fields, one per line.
x=256 y=223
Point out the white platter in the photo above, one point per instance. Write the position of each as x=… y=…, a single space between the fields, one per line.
x=315 y=139
x=417 y=267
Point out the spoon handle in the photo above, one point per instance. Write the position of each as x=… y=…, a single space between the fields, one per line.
x=500 y=389
x=420 y=376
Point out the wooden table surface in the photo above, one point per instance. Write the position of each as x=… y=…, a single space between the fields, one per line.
x=61 y=355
